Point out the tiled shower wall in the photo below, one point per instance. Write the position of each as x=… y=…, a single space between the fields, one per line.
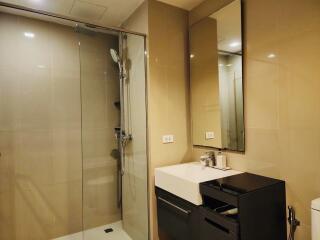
x=40 y=131
x=99 y=92
x=40 y=123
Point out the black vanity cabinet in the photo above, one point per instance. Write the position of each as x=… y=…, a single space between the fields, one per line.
x=240 y=207
x=245 y=207
x=177 y=218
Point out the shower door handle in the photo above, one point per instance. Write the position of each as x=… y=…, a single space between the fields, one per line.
x=124 y=139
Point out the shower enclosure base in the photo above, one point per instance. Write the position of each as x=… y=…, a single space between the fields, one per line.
x=98 y=233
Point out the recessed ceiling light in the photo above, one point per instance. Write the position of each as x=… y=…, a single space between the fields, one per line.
x=191 y=55
x=234 y=44
x=229 y=65
x=29 y=34
x=271 y=55
x=41 y=66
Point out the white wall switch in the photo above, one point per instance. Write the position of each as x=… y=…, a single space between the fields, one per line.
x=167 y=139
x=209 y=135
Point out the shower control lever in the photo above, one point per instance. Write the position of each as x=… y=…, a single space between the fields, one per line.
x=125 y=138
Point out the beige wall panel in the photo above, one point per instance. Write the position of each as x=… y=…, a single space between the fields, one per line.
x=281 y=99
x=168 y=95
x=99 y=92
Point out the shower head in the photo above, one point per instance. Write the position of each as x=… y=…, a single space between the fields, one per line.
x=115 y=56
x=121 y=65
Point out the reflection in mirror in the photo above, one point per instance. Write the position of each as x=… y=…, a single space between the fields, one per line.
x=216 y=79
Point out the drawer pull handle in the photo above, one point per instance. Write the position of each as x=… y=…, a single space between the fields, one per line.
x=175 y=206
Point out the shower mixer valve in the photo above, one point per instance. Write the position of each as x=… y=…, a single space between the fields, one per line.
x=125 y=138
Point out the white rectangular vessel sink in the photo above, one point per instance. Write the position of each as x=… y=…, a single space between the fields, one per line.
x=183 y=180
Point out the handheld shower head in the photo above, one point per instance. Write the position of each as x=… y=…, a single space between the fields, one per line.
x=121 y=65
x=115 y=56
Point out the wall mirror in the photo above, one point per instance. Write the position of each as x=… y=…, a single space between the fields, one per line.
x=217 y=79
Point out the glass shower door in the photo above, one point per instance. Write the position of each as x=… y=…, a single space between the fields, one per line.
x=100 y=117
x=135 y=178
x=114 y=189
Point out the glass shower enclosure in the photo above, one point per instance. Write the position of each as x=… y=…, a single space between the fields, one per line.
x=73 y=161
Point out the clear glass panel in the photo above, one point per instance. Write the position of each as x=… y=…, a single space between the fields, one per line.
x=59 y=115
x=135 y=179
x=40 y=130
x=112 y=200
x=100 y=117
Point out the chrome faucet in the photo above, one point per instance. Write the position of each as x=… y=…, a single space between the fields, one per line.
x=209 y=159
x=212 y=158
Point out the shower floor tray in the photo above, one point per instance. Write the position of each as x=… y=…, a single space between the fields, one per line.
x=98 y=233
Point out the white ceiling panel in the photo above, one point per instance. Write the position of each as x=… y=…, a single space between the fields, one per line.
x=101 y=12
x=89 y=11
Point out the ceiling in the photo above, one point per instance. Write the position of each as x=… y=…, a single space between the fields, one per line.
x=100 y=12
x=185 y=4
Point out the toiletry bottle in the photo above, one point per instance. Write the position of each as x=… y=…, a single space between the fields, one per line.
x=221 y=160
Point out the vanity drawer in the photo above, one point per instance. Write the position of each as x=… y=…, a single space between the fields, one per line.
x=217 y=226
x=207 y=190
x=177 y=218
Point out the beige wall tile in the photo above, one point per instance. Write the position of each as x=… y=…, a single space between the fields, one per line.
x=99 y=91
x=9 y=104
x=168 y=93
x=66 y=152
x=41 y=163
